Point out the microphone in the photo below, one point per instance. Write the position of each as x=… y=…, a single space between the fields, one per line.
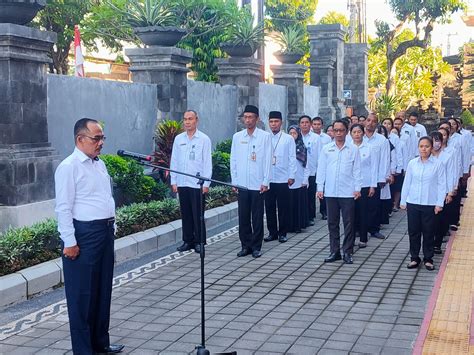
x=124 y=153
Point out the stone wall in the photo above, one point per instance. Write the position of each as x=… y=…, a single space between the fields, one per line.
x=217 y=108
x=272 y=98
x=311 y=100
x=128 y=111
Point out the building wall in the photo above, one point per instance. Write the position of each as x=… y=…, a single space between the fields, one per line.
x=128 y=111
x=272 y=98
x=311 y=100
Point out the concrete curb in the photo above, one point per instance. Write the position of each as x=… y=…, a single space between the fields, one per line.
x=43 y=277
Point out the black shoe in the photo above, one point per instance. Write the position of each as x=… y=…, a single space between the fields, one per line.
x=377 y=235
x=282 y=239
x=257 y=253
x=324 y=216
x=111 y=349
x=185 y=247
x=311 y=222
x=270 y=238
x=333 y=257
x=243 y=252
x=453 y=227
x=348 y=259
x=197 y=248
x=437 y=250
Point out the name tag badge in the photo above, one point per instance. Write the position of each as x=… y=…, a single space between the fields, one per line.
x=192 y=155
x=253 y=156
x=244 y=142
x=182 y=143
x=331 y=150
x=274 y=160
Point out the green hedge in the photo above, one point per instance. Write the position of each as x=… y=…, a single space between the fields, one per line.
x=28 y=246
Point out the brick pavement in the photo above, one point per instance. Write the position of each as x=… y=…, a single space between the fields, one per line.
x=287 y=301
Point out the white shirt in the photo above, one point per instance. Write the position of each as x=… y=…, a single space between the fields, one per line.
x=425 y=183
x=446 y=158
x=409 y=131
x=311 y=141
x=397 y=143
x=191 y=156
x=455 y=142
x=466 y=150
x=420 y=131
x=83 y=192
x=379 y=143
x=301 y=177
x=339 y=171
x=283 y=157
x=368 y=164
x=251 y=159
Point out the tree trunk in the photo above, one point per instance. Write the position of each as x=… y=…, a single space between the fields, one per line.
x=392 y=71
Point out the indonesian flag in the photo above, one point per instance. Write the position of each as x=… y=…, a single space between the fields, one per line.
x=78 y=58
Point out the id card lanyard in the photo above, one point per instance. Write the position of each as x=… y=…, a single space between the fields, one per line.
x=274 y=149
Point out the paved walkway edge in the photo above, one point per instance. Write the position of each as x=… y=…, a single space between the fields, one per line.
x=43 y=277
x=425 y=326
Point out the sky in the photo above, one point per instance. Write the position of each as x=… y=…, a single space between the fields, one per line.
x=379 y=9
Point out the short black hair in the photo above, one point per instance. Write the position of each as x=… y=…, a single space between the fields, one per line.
x=358 y=125
x=398 y=119
x=81 y=125
x=344 y=122
x=426 y=138
x=437 y=136
x=317 y=118
x=362 y=116
x=195 y=113
x=414 y=114
x=388 y=119
x=304 y=116
x=382 y=130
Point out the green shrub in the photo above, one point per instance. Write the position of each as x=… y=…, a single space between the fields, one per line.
x=221 y=166
x=467 y=118
x=28 y=246
x=224 y=146
x=134 y=186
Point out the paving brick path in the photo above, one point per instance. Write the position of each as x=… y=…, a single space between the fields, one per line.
x=287 y=301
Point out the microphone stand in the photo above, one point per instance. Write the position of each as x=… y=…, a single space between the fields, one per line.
x=201 y=349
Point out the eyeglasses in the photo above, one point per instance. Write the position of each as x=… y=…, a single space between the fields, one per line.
x=96 y=139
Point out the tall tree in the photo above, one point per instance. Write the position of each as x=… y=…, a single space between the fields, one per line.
x=423 y=14
x=333 y=17
x=284 y=13
x=60 y=16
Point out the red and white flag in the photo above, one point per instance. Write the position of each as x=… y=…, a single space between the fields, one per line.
x=78 y=58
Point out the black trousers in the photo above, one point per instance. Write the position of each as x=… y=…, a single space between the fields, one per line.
x=442 y=226
x=421 y=222
x=190 y=210
x=312 y=197
x=361 y=221
x=277 y=198
x=88 y=284
x=337 y=206
x=454 y=208
x=250 y=209
x=386 y=208
x=322 y=206
x=373 y=210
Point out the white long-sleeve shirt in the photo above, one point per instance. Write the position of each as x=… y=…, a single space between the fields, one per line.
x=466 y=150
x=283 y=157
x=425 y=183
x=311 y=141
x=83 y=192
x=412 y=146
x=251 y=159
x=455 y=142
x=420 y=131
x=368 y=164
x=301 y=177
x=379 y=143
x=448 y=161
x=397 y=143
x=339 y=171
x=191 y=156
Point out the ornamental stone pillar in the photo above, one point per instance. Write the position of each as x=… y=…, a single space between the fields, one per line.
x=166 y=67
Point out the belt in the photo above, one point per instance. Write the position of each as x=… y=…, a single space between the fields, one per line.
x=106 y=221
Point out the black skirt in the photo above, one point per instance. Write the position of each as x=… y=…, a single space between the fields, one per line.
x=299 y=217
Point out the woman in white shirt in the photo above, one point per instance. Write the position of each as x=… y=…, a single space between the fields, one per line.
x=423 y=194
x=440 y=152
x=385 y=192
x=299 y=217
x=368 y=168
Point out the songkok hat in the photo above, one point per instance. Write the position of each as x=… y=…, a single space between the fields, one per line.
x=275 y=114
x=251 y=109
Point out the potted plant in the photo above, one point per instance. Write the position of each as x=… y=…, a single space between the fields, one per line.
x=19 y=12
x=292 y=42
x=243 y=38
x=153 y=21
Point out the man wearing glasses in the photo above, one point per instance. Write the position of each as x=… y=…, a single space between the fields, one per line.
x=86 y=222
